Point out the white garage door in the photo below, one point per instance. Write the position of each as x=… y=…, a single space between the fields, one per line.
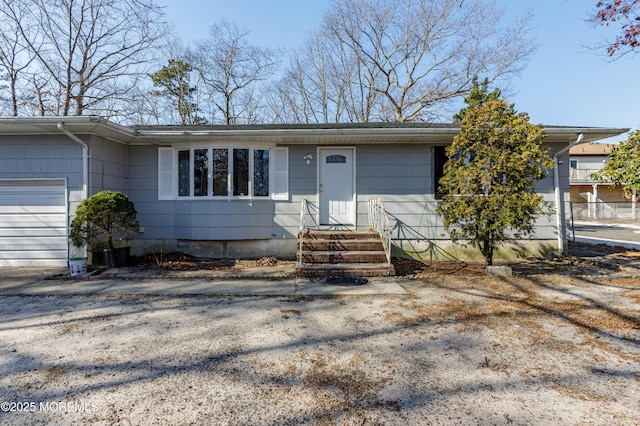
x=33 y=223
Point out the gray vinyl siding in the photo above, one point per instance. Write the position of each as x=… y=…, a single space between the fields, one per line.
x=206 y=219
x=224 y=219
x=25 y=157
x=158 y=218
x=303 y=184
x=401 y=175
x=109 y=166
x=52 y=156
x=57 y=156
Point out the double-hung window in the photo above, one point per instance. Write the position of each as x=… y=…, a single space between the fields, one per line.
x=216 y=172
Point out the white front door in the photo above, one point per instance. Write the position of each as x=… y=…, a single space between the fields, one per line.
x=336 y=186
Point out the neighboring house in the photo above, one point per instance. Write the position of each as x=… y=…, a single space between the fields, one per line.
x=231 y=191
x=584 y=160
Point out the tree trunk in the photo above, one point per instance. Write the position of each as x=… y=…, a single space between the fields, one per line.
x=487 y=253
x=14 y=96
x=488 y=259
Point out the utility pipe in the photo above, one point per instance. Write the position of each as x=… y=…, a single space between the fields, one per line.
x=556 y=184
x=85 y=159
x=85 y=165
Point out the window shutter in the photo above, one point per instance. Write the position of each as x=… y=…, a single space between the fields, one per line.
x=280 y=187
x=165 y=173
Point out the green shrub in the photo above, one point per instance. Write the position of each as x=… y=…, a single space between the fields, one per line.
x=103 y=218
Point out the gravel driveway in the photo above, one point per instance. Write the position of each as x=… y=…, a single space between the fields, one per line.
x=463 y=349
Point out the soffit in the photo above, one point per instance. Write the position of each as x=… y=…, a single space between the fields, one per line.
x=328 y=134
x=386 y=136
x=309 y=137
x=82 y=125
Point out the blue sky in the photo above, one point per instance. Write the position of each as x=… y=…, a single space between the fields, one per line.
x=565 y=82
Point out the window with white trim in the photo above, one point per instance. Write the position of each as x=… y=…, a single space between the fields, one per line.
x=216 y=172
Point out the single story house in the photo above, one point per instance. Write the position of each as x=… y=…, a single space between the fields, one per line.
x=240 y=191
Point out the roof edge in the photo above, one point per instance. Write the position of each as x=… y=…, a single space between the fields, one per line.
x=92 y=124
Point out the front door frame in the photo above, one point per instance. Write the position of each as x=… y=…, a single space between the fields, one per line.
x=354 y=215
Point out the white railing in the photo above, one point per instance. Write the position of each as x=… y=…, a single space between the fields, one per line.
x=582 y=175
x=379 y=221
x=301 y=230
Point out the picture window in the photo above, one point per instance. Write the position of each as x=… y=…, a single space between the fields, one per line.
x=223 y=172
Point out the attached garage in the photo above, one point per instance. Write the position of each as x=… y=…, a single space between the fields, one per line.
x=33 y=223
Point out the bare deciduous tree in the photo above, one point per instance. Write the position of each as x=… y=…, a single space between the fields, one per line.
x=231 y=68
x=304 y=88
x=404 y=60
x=95 y=50
x=43 y=97
x=15 y=58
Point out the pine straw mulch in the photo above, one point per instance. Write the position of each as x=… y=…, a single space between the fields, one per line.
x=571 y=266
x=178 y=261
x=583 y=260
x=404 y=267
x=538 y=288
x=415 y=268
x=477 y=300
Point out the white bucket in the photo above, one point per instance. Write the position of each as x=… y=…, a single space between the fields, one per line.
x=77 y=266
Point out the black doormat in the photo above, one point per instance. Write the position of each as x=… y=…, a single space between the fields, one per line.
x=346 y=280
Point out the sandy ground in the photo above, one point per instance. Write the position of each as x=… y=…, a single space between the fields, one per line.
x=460 y=348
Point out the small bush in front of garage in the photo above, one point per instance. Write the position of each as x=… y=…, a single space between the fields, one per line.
x=104 y=218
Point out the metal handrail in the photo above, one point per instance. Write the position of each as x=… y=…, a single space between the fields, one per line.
x=301 y=230
x=379 y=221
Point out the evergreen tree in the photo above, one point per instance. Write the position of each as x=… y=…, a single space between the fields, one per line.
x=478 y=95
x=489 y=179
x=175 y=82
x=623 y=166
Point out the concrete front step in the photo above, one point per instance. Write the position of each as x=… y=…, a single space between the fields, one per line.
x=339 y=235
x=345 y=270
x=350 y=256
x=341 y=253
x=359 y=244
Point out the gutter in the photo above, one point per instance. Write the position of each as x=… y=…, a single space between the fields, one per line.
x=556 y=185
x=85 y=158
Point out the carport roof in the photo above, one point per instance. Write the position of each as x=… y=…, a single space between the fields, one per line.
x=301 y=134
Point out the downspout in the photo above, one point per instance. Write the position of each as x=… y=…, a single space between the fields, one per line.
x=85 y=159
x=85 y=168
x=556 y=184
